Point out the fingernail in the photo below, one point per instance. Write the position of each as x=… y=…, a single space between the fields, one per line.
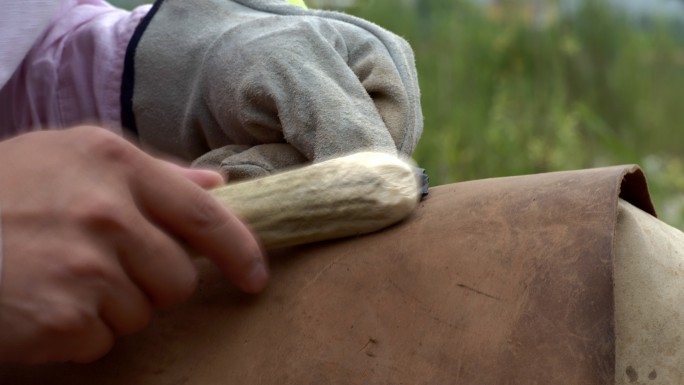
x=257 y=278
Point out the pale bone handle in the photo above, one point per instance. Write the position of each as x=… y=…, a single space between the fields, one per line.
x=346 y=196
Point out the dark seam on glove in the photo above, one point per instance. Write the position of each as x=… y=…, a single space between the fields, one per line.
x=128 y=76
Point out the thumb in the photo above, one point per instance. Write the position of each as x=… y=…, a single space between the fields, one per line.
x=206 y=179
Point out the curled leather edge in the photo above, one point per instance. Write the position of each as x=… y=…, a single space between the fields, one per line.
x=633 y=187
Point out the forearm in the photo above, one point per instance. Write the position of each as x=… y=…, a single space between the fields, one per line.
x=72 y=75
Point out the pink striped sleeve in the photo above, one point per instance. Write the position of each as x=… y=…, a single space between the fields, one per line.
x=72 y=75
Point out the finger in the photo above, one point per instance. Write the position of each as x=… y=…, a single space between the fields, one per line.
x=85 y=344
x=96 y=341
x=158 y=265
x=194 y=216
x=121 y=304
x=204 y=178
x=125 y=308
x=84 y=340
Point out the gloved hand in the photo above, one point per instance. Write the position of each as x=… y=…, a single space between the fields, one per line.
x=252 y=86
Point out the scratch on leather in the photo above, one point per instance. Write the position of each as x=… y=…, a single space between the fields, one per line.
x=474 y=290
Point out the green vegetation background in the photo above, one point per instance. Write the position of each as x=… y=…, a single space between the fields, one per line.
x=510 y=91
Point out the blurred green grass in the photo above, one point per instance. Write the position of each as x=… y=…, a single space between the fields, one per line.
x=506 y=91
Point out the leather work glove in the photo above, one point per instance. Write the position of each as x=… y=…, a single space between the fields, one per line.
x=253 y=86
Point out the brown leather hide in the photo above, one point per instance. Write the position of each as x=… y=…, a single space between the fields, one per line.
x=499 y=281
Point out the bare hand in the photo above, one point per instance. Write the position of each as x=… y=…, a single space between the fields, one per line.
x=93 y=241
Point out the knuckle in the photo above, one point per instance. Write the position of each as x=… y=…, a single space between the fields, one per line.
x=66 y=320
x=85 y=131
x=89 y=267
x=101 y=213
x=104 y=144
x=67 y=331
